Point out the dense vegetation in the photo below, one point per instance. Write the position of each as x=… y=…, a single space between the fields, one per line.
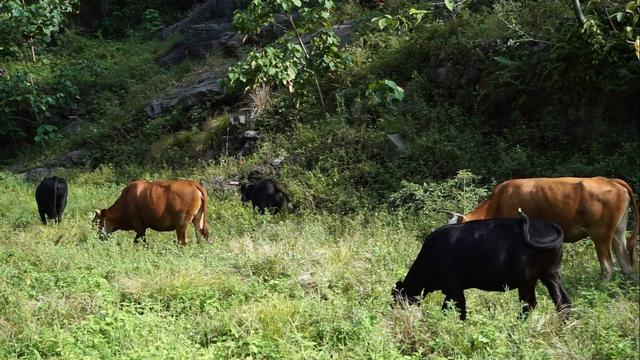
x=480 y=91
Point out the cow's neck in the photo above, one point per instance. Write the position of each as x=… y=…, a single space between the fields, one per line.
x=117 y=213
x=479 y=213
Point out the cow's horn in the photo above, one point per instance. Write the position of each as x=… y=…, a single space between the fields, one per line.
x=234 y=183
x=452 y=213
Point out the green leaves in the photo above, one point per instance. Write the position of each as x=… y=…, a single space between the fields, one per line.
x=384 y=92
x=260 y=13
x=449 y=4
x=23 y=23
x=290 y=61
x=273 y=66
x=400 y=22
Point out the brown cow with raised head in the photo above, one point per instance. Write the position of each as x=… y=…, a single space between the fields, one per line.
x=597 y=207
x=161 y=206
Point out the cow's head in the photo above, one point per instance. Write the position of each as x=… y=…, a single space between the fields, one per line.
x=102 y=224
x=399 y=295
x=245 y=191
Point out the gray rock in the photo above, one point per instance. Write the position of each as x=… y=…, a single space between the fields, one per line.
x=39 y=173
x=251 y=135
x=212 y=9
x=343 y=31
x=78 y=157
x=240 y=117
x=277 y=162
x=207 y=29
x=442 y=74
x=73 y=126
x=16 y=168
x=200 y=41
x=206 y=88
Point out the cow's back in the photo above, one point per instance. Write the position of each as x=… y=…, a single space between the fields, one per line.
x=486 y=254
x=163 y=205
x=576 y=204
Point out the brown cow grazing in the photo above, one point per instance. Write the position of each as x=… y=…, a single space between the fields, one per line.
x=597 y=207
x=161 y=206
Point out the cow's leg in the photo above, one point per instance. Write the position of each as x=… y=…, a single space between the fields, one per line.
x=457 y=295
x=620 y=245
x=602 y=241
x=181 y=233
x=527 y=295
x=60 y=205
x=138 y=236
x=200 y=227
x=43 y=216
x=445 y=303
x=556 y=291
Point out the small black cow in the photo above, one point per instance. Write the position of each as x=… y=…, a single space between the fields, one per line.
x=264 y=194
x=51 y=196
x=492 y=255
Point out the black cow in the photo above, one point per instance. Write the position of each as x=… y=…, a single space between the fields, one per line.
x=492 y=255
x=51 y=196
x=264 y=194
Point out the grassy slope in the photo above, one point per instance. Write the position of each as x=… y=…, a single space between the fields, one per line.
x=313 y=284
x=304 y=286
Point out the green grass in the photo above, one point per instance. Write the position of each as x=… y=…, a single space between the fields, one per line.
x=308 y=285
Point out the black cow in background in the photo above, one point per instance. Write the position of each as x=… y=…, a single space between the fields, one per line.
x=51 y=196
x=491 y=255
x=264 y=194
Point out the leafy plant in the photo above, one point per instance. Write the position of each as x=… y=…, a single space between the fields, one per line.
x=151 y=22
x=384 y=93
x=46 y=132
x=629 y=18
x=30 y=23
x=24 y=104
x=400 y=22
x=459 y=193
x=287 y=63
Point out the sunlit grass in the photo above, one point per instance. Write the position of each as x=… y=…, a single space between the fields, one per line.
x=308 y=285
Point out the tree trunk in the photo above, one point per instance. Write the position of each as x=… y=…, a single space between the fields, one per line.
x=578 y=11
x=304 y=49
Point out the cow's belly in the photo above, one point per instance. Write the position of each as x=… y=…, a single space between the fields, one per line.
x=161 y=224
x=575 y=235
x=163 y=228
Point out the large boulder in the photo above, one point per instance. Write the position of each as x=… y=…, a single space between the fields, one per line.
x=207 y=88
x=77 y=157
x=210 y=10
x=39 y=173
x=207 y=29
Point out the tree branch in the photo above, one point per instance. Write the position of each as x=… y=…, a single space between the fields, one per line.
x=578 y=11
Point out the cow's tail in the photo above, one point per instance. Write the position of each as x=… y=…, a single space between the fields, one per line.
x=202 y=222
x=631 y=242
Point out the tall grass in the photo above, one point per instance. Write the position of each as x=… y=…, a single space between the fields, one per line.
x=309 y=285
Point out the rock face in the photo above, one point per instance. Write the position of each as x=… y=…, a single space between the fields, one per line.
x=76 y=157
x=39 y=173
x=185 y=97
x=212 y=9
x=207 y=29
